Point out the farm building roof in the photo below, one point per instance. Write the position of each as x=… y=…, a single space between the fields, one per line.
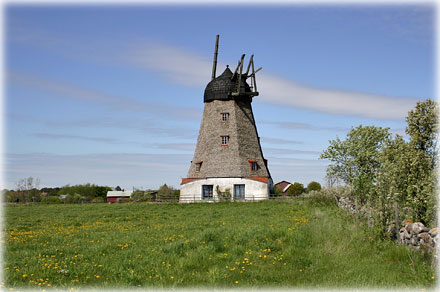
x=119 y=193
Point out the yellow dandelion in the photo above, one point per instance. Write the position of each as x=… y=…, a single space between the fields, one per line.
x=236 y=282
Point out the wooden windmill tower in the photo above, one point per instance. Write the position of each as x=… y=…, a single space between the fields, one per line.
x=228 y=154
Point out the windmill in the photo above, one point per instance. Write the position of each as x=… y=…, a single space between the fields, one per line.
x=228 y=156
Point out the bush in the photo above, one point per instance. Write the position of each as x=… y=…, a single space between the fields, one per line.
x=51 y=200
x=98 y=200
x=123 y=200
x=296 y=189
x=74 y=199
x=141 y=196
x=277 y=191
x=321 y=198
x=313 y=186
x=223 y=196
x=337 y=192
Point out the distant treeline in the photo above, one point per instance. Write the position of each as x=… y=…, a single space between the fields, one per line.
x=27 y=191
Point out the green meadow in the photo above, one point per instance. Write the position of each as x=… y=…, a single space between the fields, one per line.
x=303 y=243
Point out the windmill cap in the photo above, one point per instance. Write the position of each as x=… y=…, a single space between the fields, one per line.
x=222 y=86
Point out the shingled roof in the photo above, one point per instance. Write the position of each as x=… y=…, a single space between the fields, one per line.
x=221 y=87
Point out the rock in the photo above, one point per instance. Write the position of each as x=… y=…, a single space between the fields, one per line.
x=417 y=227
x=404 y=222
x=414 y=241
x=390 y=228
x=407 y=234
x=408 y=227
x=402 y=237
x=433 y=232
x=425 y=238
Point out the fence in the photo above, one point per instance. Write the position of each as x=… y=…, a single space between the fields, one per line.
x=197 y=199
x=249 y=198
x=175 y=199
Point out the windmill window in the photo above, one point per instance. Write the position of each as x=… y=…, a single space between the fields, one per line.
x=225 y=140
x=207 y=192
x=225 y=117
x=253 y=165
x=198 y=166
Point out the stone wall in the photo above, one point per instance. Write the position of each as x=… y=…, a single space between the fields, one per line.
x=416 y=234
x=412 y=234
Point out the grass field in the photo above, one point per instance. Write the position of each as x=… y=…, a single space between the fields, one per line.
x=301 y=243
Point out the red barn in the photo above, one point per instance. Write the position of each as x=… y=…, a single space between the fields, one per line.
x=283 y=186
x=115 y=196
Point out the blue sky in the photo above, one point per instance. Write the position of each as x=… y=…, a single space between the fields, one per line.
x=113 y=95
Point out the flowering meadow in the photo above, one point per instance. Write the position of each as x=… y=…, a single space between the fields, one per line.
x=297 y=243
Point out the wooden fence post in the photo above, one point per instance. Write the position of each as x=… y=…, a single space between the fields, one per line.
x=397 y=223
x=356 y=208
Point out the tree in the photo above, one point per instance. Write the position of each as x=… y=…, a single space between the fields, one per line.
x=167 y=192
x=423 y=127
x=118 y=188
x=88 y=191
x=27 y=189
x=313 y=186
x=422 y=160
x=296 y=189
x=356 y=159
x=50 y=191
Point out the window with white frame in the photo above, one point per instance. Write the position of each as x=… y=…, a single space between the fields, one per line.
x=225 y=117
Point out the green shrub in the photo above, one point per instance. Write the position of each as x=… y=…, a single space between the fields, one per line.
x=337 y=192
x=74 y=199
x=277 y=191
x=51 y=200
x=223 y=195
x=313 y=186
x=141 y=196
x=98 y=200
x=123 y=200
x=296 y=189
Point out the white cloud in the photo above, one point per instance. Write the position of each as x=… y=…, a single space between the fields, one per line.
x=174 y=63
x=305 y=126
x=278 y=141
x=281 y=151
x=183 y=67
x=281 y=91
